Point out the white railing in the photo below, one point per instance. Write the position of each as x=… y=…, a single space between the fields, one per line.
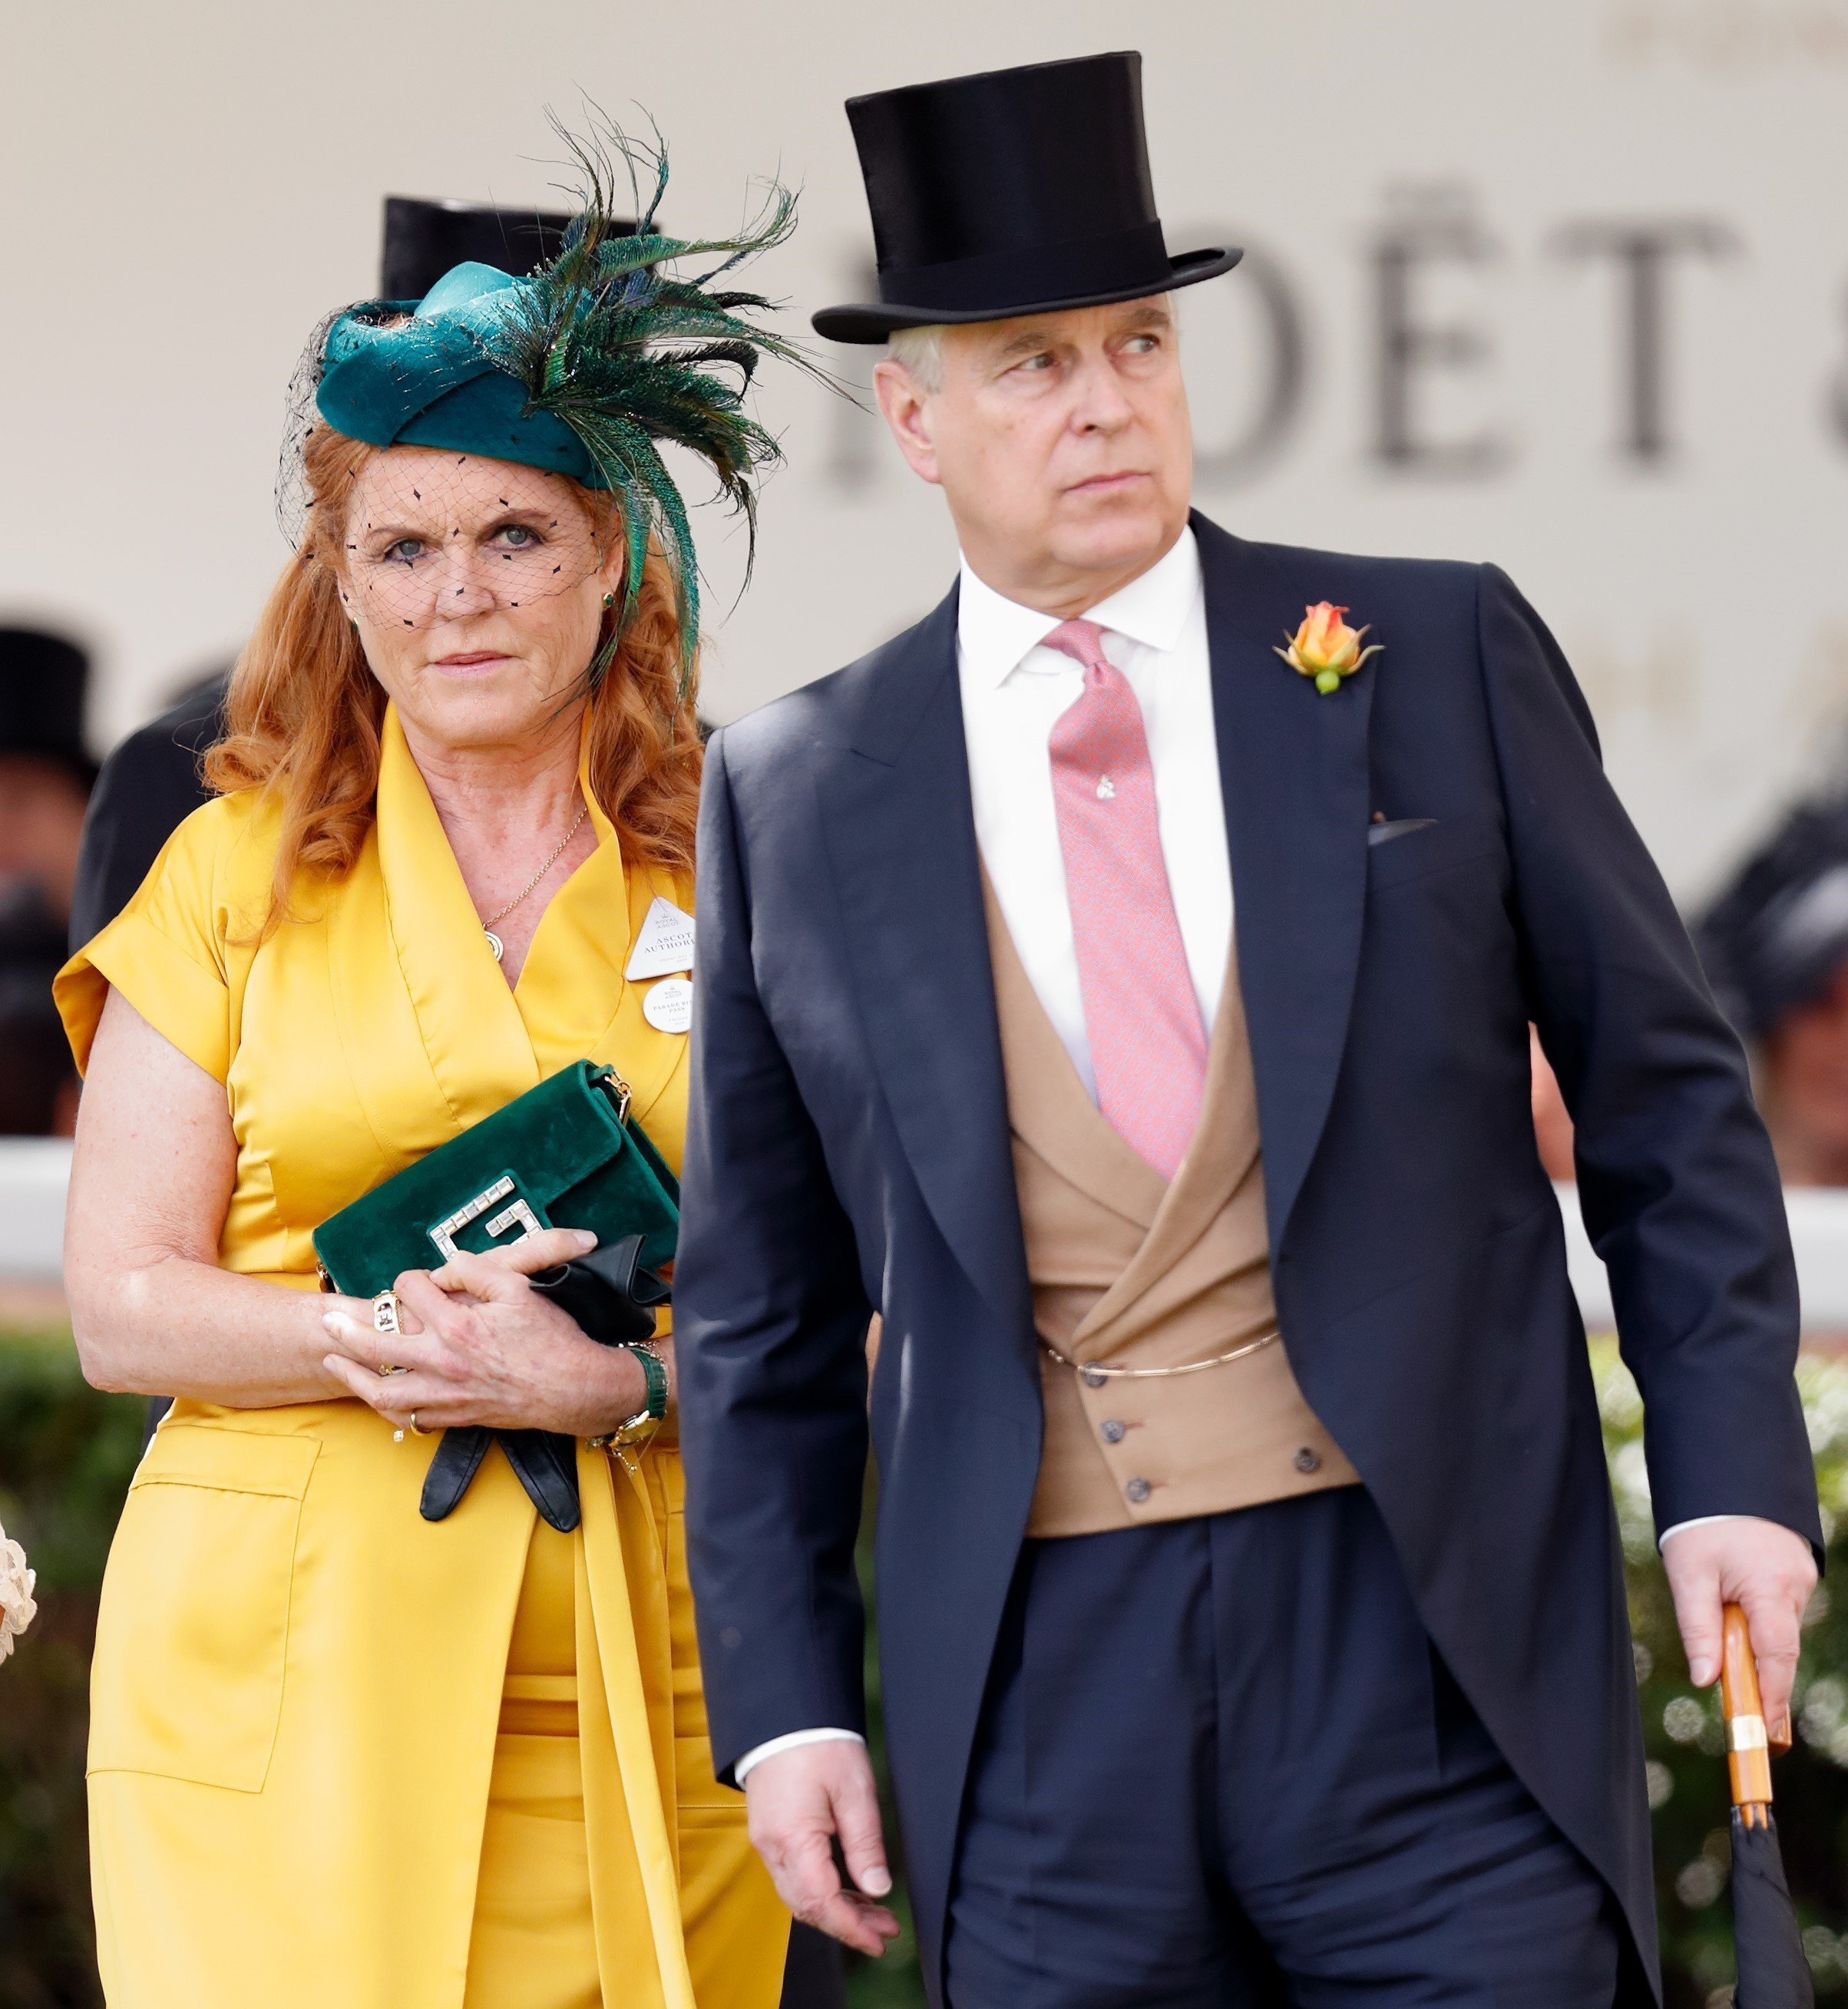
x=34 y=1172
x=1818 y=1232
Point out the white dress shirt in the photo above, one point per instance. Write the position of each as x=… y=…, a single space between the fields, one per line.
x=1014 y=690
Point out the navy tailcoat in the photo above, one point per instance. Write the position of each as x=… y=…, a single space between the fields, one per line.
x=848 y=1153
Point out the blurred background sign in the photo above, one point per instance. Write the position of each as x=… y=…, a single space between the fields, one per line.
x=1560 y=283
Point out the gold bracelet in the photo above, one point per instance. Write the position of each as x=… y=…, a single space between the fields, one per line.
x=1094 y=1374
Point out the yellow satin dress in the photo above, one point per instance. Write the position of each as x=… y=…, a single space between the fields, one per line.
x=340 y=1754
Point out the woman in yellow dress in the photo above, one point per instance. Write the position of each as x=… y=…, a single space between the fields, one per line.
x=341 y=1754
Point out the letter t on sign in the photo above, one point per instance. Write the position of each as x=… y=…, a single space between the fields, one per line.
x=1641 y=252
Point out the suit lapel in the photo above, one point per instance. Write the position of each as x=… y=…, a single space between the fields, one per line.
x=901 y=835
x=1293 y=765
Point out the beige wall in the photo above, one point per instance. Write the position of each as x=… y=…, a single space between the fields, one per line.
x=188 y=187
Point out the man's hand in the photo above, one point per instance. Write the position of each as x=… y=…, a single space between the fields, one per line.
x=1760 y=1565
x=798 y=1801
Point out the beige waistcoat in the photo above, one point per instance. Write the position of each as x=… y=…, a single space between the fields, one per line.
x=1128 y=1271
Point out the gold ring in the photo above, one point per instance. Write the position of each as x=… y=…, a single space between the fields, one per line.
x=388 y=1313
x=414 y=1431
x=386 y=1370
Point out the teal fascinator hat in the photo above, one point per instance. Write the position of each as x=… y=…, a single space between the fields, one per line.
x=585 y=367
x=436 y=378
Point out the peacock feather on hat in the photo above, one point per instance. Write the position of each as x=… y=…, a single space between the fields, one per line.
x=590 y=365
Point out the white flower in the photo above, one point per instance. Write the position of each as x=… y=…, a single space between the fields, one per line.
x=17 y=1610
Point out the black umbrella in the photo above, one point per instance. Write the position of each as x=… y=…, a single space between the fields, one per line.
x=1772 y=1972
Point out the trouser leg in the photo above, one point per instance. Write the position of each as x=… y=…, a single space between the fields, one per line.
x=1086 y=1876
x=1220 y=1766
x=1374 y=1834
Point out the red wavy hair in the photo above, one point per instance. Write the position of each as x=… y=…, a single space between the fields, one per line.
x=305 y=712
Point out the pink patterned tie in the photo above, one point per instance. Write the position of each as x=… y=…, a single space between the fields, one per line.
x=1147 y=1042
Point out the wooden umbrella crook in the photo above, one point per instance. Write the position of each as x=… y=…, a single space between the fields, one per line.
x=1749 y=1745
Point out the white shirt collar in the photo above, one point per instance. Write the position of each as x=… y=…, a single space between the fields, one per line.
x=996 y=634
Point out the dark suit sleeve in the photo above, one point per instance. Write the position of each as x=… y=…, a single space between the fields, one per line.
x=1676 y=1181
x=770 y=1326
x=147 y=789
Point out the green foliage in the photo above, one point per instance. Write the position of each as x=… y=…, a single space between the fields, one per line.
x=67 y=1455
x=1682 y=1733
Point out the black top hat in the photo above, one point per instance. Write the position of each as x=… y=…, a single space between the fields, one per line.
x=44 y=678
x=423 y=240
x=1016 y=192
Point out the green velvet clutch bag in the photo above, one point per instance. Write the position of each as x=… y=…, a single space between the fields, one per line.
x=563 y=1155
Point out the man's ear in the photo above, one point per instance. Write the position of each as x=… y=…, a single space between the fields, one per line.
x=907 y=410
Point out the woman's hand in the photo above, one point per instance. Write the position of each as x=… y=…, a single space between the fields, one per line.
x=378 y=1348
x=479 y=1345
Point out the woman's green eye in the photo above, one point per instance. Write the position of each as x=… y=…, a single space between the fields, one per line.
x=404 y=550
x=521 y=537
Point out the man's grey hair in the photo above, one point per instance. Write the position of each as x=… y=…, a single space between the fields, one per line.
x=921 y=351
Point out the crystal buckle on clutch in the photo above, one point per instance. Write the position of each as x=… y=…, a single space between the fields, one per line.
x=518 y=1213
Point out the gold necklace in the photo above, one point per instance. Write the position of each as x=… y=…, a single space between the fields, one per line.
x=493 y=941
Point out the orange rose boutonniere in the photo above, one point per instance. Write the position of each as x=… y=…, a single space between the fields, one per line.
x=1325 y=648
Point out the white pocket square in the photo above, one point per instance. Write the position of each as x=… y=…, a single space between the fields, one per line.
x=1384 y=833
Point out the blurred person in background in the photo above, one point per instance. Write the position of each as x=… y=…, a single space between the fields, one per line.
x=461 y=770
x=46 y=774
x=147 y=788
x=1775 y=942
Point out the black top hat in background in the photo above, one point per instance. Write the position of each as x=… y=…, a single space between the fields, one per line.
x=44 y=681
x=1776 y=936
x=1015 y=191
x=423 y=240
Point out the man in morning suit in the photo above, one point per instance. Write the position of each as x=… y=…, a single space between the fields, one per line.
x=1120 y=982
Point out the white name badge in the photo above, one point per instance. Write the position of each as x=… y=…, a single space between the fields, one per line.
x=667 y=1005
x=664 y=946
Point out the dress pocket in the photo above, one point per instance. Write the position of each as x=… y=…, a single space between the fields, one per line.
x=193 y=1635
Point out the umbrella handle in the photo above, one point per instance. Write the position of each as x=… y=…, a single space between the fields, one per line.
x=1749 y=1747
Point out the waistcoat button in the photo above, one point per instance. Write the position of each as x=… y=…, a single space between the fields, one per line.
x=1094 y=1377
x=1308 y=1461
x=1138 y=1490
x=1113 y=1431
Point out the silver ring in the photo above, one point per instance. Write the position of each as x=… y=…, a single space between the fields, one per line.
x=388 y=1313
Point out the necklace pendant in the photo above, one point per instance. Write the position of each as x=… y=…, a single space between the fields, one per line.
x=495 y=943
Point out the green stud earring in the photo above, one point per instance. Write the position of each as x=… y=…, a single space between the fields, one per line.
x=609 y=599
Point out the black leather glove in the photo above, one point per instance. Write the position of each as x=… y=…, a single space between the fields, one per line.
x=614 y=1300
